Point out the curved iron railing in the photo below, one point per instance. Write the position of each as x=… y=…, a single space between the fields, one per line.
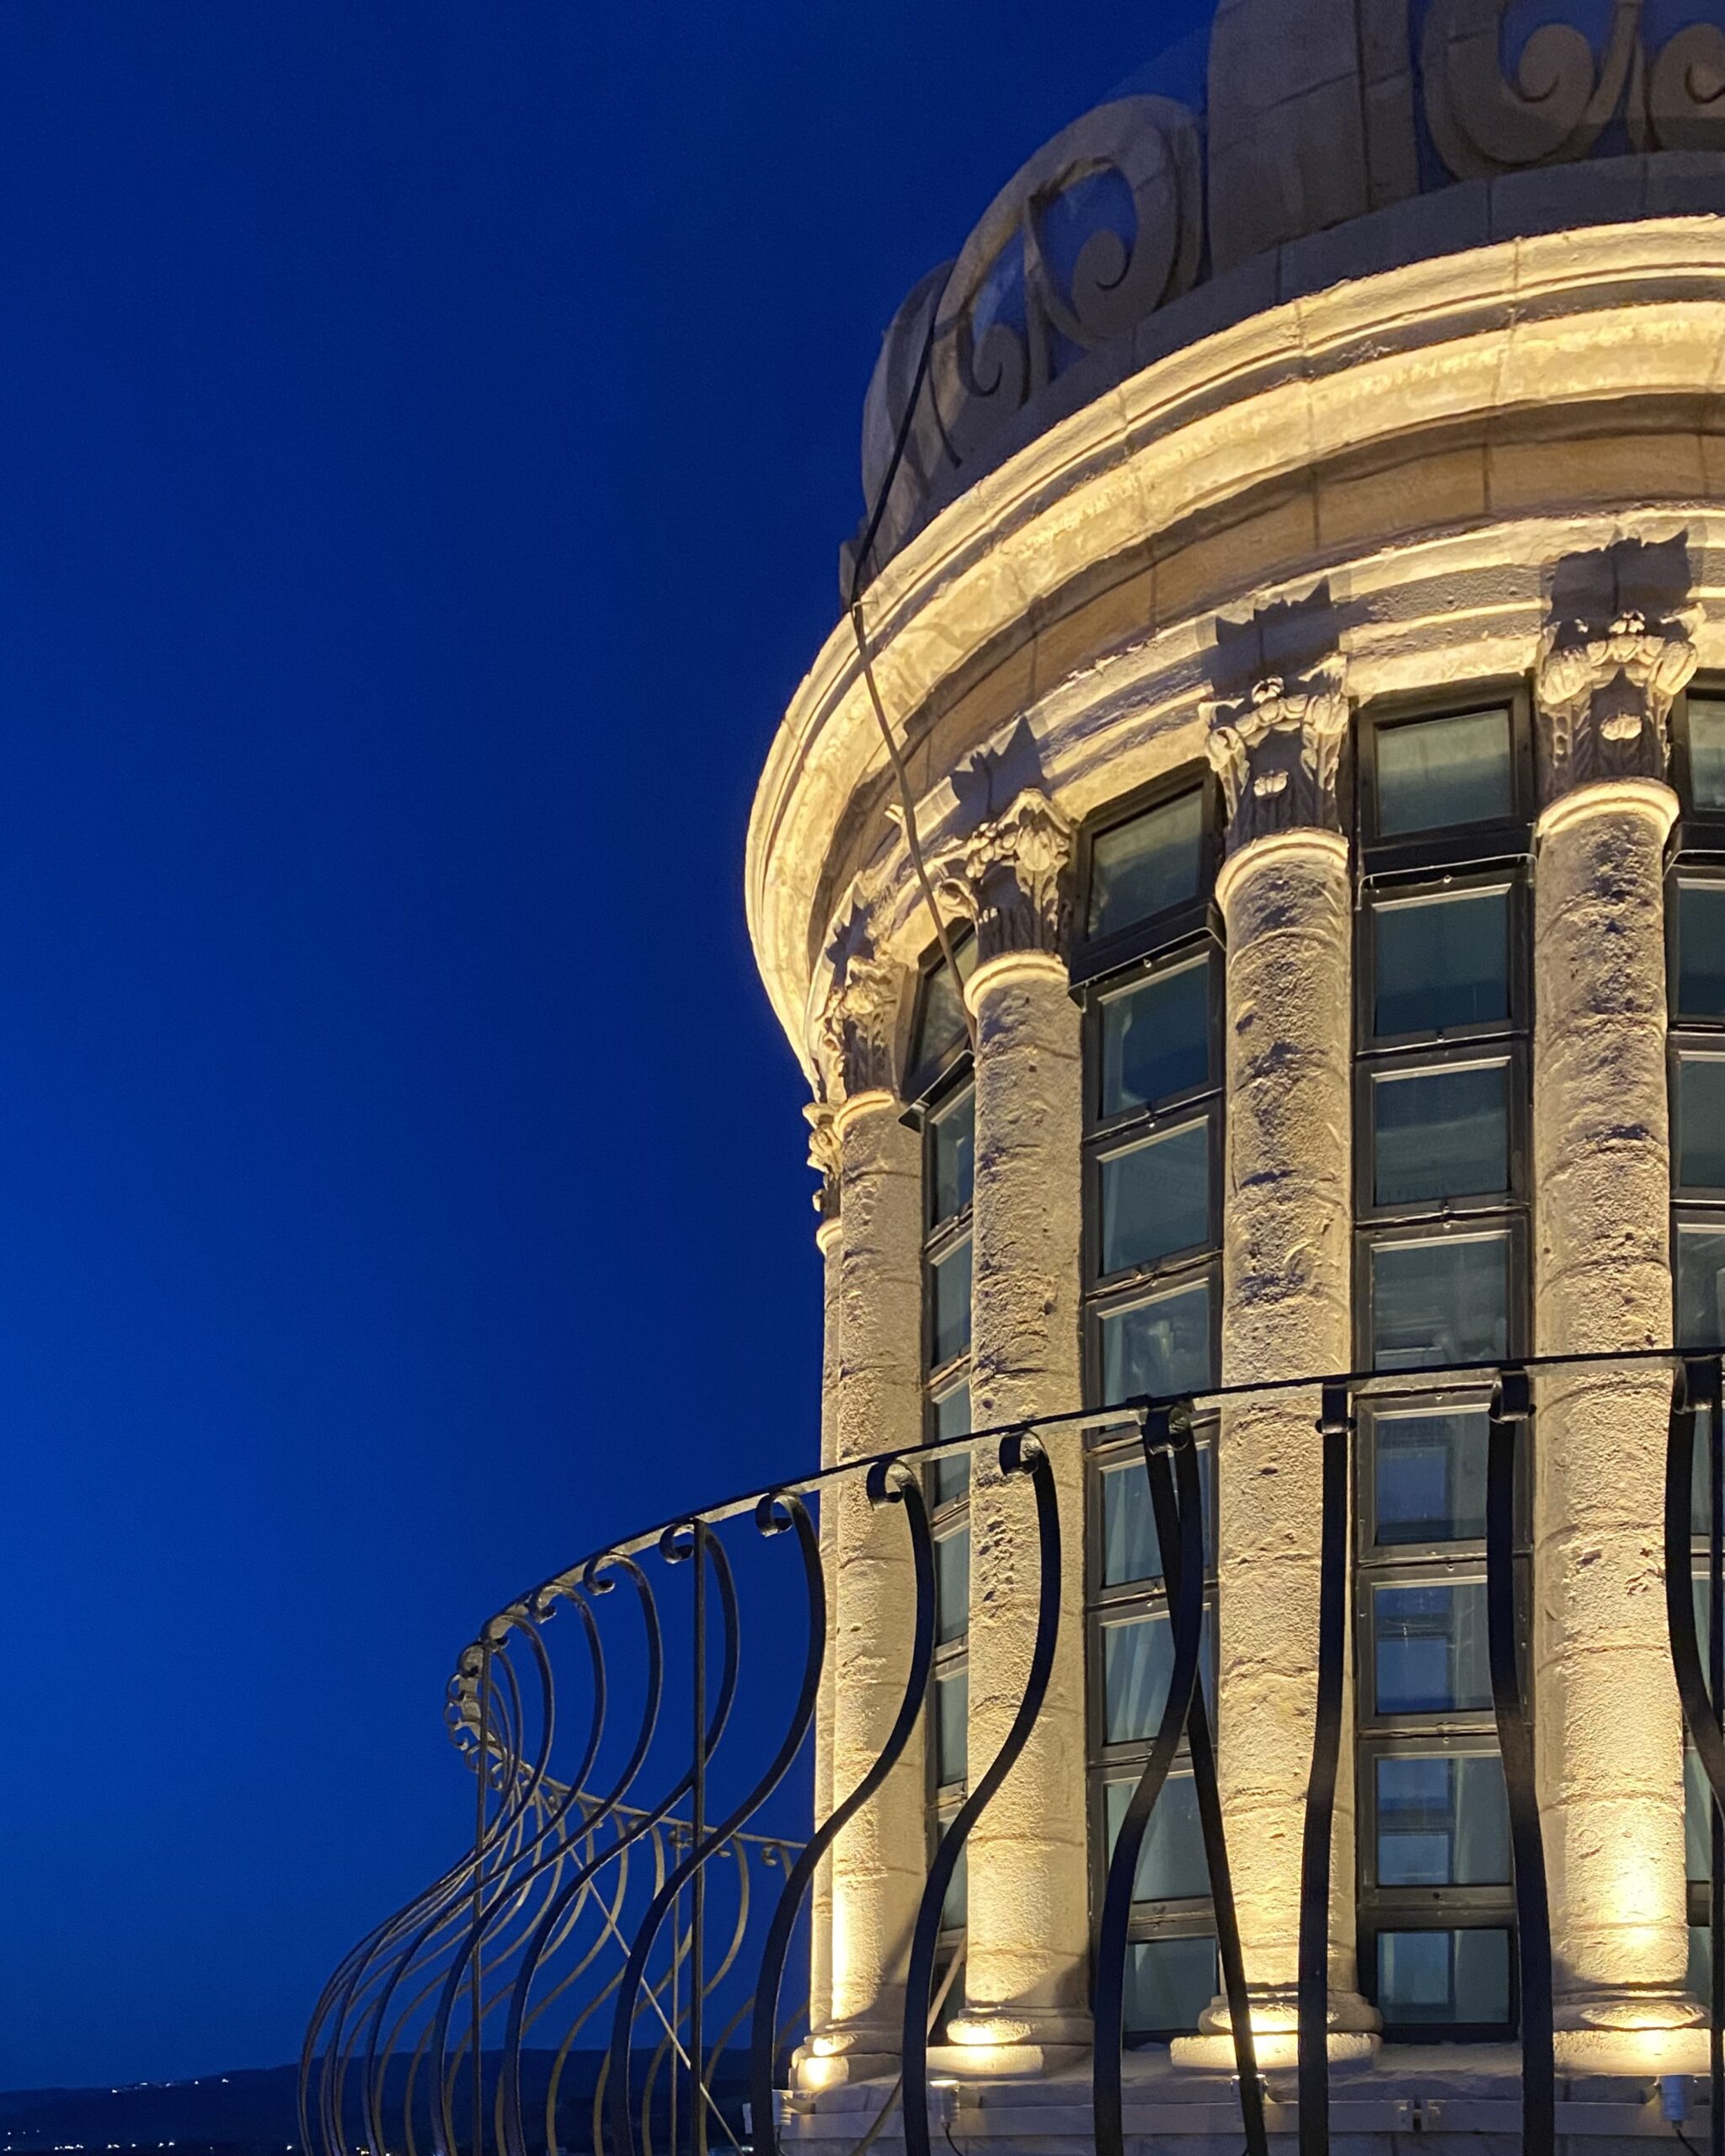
x=605 y=1968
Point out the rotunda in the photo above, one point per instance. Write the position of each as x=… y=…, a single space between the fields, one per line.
x=1245 y=881
x=1245 y=884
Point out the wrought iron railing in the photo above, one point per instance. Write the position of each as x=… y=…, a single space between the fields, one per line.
x=614 y=1886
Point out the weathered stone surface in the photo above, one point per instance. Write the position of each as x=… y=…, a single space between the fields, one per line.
x=1609 y=1741
x=1027 y=1975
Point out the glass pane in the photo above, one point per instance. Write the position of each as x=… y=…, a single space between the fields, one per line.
x=940 y=1024
x=1700 y=1961
x=952 y=1419
x=1441 y=963
x=1700 y=1489
x=1137 y=1661
x=1430 y=1650
x=1171 y=1864
x=1144 y=867
x=1700 y=1122
x=1155 y=1039
x=951 y=1586
x=1441 y=1133
x=1439 y=1302
x=1131 y=1550
x=951 y=1304
x=1697 y=1832
x=1439 y=1977
x=1169 y=1983
x=1700 y=1287
x=1429 y=1476
x=1701 y=950
x=1443 y=1820
x=1159 y=1349
x=955 y=1159
x=1444 y=770
x=1706 y=753
x=952 y=1716
x=1155 y=1199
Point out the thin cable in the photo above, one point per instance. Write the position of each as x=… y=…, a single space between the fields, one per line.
x=859 y=629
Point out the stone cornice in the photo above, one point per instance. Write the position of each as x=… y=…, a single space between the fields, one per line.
x=1013 y=877
x=1488 y=341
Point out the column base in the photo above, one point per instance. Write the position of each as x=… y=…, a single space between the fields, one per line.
x=1014 y=2042
x=1655 y=2031
x=1353 y=2029
x=851 y=2051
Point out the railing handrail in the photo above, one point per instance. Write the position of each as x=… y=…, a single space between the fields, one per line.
x=538 y=1603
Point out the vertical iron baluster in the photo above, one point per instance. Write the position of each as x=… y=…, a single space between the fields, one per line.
x=479 y=2127
x=1215 y=1841
x=889 y=1482
x=697 y=1885
x=1181 y=1536
x=1335 y=1425
x=1716 y=1811
x=1021 y=1454
x=1511 y=1407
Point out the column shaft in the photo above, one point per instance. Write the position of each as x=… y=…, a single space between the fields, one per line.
x=1286 y=1264
x=880 y=1861
x=1610 y=1740
x=1026 y=1971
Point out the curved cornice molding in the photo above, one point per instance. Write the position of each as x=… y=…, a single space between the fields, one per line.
x=1563 y=335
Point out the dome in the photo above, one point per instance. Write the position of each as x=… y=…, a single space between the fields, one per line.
x=1337 y=138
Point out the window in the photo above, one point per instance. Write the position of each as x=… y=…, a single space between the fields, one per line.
x=939 y=1062
x=1436 y=1898
x=939 y=1038
x=1441 y=1111
x=1171 y=1968
x=1696 y=943
x=1153 y=1232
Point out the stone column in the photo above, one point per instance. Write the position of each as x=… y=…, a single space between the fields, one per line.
x=1609 y=1739
x=879 y=1863
x=824 y=1158
x=1027 y=1970
x=1286 y=900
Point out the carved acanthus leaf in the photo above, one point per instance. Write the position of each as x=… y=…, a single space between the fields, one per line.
x=1013 y=878
x=854 y=1038
x=824 y=1158
x=1278 y=751
x=1606 y=693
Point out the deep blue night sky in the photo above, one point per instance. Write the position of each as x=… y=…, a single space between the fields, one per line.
x=429 y=426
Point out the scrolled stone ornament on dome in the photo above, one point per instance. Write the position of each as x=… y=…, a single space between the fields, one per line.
x=1562 y=97
x=1684 y=104
x=1278 y=752
x=1013 y=877
x=855 y=1035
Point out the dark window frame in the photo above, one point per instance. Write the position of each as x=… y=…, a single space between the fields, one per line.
x=928 y=1082
x=1093 y=957
x=1197 y=946
x=1409 y=886
x=1447 y=862
x=1510 y=1049
x=1206 y=1110
x=1458 y=843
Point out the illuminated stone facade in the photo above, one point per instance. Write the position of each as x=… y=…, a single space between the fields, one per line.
x=1404 y=404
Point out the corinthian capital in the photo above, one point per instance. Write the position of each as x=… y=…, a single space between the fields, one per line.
x=1013 y=878
x=1277 y=750
x=1615 y=656
x=824 y=1157
x=854 y=1038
